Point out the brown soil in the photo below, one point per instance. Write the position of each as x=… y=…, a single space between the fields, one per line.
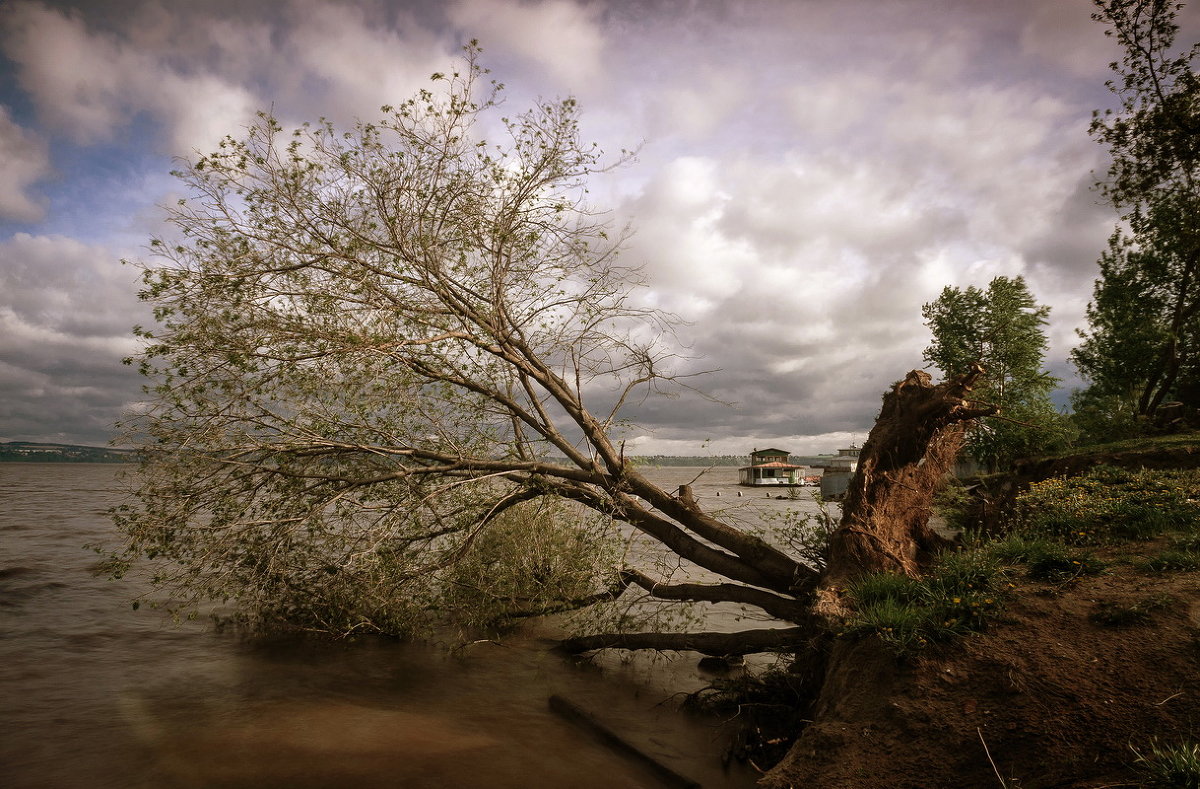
x=1057 y=699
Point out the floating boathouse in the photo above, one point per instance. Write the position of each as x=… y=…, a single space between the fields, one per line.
x=770 y=467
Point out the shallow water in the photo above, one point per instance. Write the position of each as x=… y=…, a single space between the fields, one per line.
x=93 y=693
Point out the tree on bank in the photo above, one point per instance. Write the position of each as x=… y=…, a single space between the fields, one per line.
x=1002 y=329
x=1142 y=344
x=369 y=346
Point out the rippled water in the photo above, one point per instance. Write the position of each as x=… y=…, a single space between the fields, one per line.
x=93 y=693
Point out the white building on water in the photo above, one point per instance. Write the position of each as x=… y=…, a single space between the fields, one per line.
x=838 y=471
x=771 y=467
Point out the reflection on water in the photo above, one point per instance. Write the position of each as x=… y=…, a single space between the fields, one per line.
x=93 y=693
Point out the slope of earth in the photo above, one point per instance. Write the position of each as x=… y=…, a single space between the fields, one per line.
x=1064 y=690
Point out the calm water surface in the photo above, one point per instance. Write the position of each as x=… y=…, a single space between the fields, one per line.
x=95 y=694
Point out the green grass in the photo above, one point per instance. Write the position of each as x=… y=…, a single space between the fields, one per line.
x=1110 y=505
x=1059 y=522
x=1181 y=555
x=1175 y=766
x=1139 y=444
x=908 y=614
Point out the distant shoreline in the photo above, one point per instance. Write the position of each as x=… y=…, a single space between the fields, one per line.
x=38 y=452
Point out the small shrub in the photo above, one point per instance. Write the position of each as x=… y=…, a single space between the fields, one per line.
x=805 y=533
x=1061 y=567
x=530 y=558
x=1046 y=559
x=1176 y=766
x=953 y=503
x=965 y=572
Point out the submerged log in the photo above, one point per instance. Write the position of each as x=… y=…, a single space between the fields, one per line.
x=590 y=723
x=744 y=642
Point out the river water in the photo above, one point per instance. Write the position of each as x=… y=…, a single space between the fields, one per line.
x=96 y=694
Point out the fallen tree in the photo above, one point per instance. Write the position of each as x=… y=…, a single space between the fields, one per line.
x=380 y=356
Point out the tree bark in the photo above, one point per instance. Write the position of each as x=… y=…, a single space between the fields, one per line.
x=884 y=527
x=915 y=440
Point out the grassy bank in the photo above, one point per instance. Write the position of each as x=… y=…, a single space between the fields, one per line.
x=1058 y=648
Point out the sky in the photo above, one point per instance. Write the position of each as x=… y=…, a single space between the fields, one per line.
x=809 y=174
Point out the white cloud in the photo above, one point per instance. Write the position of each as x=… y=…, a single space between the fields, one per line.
x=1053 y=34
x=74 y=76
x=66 y=310
x=698 y=108
x=88 y=85
x=356 y=65
x=60 y=287
x=813 y=172
x=24 y=161
x=563 y=37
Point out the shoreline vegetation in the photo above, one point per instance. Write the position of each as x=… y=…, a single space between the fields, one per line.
x=41 y=452
x=1055 y=647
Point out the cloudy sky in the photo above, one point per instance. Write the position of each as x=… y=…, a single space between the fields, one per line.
x=810 y=172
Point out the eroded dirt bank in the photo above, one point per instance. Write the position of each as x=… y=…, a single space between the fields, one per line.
x=1057 y=693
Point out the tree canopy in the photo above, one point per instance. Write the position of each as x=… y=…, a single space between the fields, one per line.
x=1140 y=348
x=1002 y=329
x=381 y=351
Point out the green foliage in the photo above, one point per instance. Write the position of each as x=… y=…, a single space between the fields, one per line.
x=805 y=534
x=1001 y=328
x=1141 y=345
x=533 y=559
x=1102 y=418
x=952 y=503
x=955 y=598
x=1169 y=766
x=1111 y=504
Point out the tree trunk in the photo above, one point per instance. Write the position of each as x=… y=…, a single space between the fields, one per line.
x=885 y=526
x=885 y=516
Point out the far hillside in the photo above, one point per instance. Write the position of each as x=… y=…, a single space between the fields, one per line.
x=31 y=452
